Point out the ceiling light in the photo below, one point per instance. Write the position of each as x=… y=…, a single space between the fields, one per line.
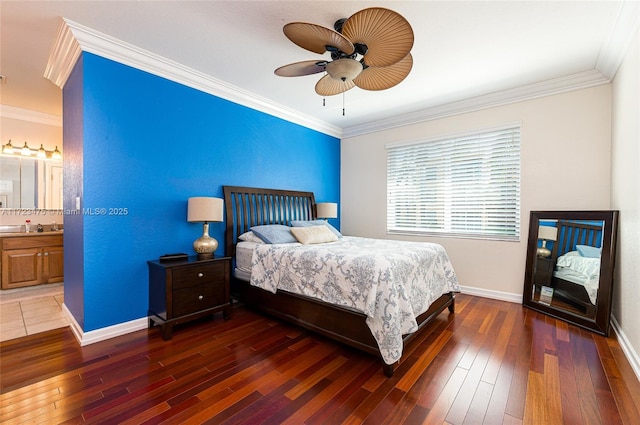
x=344 y=69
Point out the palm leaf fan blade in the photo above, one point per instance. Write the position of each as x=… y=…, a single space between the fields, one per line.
x=382 y=78
x=299 y=69
x=316 y=38
x=328 y=86
x=387 y=35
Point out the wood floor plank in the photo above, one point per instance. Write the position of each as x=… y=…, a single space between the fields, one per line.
x=553 y=395
x=491 y=362
x=500 y=394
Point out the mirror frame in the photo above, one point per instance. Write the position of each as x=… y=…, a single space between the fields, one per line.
x=601 y=323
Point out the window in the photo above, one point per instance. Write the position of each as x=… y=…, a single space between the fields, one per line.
x=464 y=186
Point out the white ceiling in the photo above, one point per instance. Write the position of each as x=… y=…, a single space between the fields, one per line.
x=462 y=49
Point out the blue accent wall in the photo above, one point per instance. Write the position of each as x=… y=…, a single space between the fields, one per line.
x=146 y=145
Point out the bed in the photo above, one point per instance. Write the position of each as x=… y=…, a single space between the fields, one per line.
x=249 y=207
x=576 y=259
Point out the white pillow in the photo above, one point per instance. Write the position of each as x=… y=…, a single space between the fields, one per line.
x=250 y=237
x=313 y=234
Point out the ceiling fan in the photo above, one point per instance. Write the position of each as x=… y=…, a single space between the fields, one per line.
x=369 y=50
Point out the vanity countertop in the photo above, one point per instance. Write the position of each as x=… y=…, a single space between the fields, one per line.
x=27 y=235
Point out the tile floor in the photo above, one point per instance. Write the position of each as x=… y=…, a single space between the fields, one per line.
x=26 y=311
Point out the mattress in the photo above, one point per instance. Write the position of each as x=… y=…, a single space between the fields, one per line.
x=244 y=252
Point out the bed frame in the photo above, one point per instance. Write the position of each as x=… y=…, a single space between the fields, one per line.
x=571 y=234
x=246 y=207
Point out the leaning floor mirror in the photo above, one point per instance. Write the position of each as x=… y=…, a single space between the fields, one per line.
x=569 y=269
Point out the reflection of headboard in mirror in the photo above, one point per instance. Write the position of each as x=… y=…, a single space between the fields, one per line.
x=572 y=233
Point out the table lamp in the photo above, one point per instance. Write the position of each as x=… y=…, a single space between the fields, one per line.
x=204 y=209
x=546 y=233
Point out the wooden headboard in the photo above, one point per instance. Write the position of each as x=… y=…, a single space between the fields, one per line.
x=571 y=233
x=250 y=206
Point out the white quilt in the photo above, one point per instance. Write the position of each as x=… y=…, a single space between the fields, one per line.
x=391 y=282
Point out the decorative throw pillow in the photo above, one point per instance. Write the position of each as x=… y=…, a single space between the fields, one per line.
x=313 y=234
x=307 y=223
x=250 y=237
x=274 y=233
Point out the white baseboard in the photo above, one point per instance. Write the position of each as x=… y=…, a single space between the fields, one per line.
x=495 y=295
x=627 y=348
x=102 y=334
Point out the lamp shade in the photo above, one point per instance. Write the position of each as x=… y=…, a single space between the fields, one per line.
x=204 y=209
x=548 y=233
x=327 y=210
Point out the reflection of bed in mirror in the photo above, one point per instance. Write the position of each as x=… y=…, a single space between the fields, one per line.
x=576 y=259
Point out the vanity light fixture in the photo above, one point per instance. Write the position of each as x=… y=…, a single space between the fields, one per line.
x=41 y=153
x=546 y=233
x=326 y=210
x=205 y=209
x=8 y=148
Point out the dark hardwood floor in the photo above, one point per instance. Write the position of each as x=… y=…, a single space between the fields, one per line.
x=491 y=362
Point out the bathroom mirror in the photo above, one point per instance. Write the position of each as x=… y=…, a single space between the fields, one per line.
x=569 y=268
x=29 y=183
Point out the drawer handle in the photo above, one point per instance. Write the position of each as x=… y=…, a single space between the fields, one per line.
x=46 y=254
x=39 y=254
x=200 y=274
x=200 y=297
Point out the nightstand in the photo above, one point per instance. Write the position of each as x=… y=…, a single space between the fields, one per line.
x=543 y=271
x=183 y=290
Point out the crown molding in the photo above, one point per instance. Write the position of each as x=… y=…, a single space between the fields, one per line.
x=7 y=111
x=74 y=38
x=615 y=48
x=577 y=81
x=65 y=54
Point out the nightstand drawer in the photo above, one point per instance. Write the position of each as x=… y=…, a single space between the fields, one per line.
x=193 y=276
x=193 y=299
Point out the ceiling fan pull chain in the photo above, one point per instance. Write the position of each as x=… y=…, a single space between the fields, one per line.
x=343 y=104
x=323 y=99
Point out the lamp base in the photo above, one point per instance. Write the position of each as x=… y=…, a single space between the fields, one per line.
x=206 y=256
x=205 y=246
x=543 y=252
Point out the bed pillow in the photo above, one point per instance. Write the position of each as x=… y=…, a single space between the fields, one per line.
x=250 y=237
x=313 y=234
x=588 y=251
x=308 y=223
x=274 y=233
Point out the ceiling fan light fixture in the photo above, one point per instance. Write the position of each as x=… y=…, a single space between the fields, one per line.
x=345 y=69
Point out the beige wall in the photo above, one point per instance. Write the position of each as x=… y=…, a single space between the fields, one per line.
x=625 y=190
x=565 y=164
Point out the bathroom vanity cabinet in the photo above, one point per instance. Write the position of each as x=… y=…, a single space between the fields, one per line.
x=31 y=259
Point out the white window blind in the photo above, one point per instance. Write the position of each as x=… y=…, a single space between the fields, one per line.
x=465 y=186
